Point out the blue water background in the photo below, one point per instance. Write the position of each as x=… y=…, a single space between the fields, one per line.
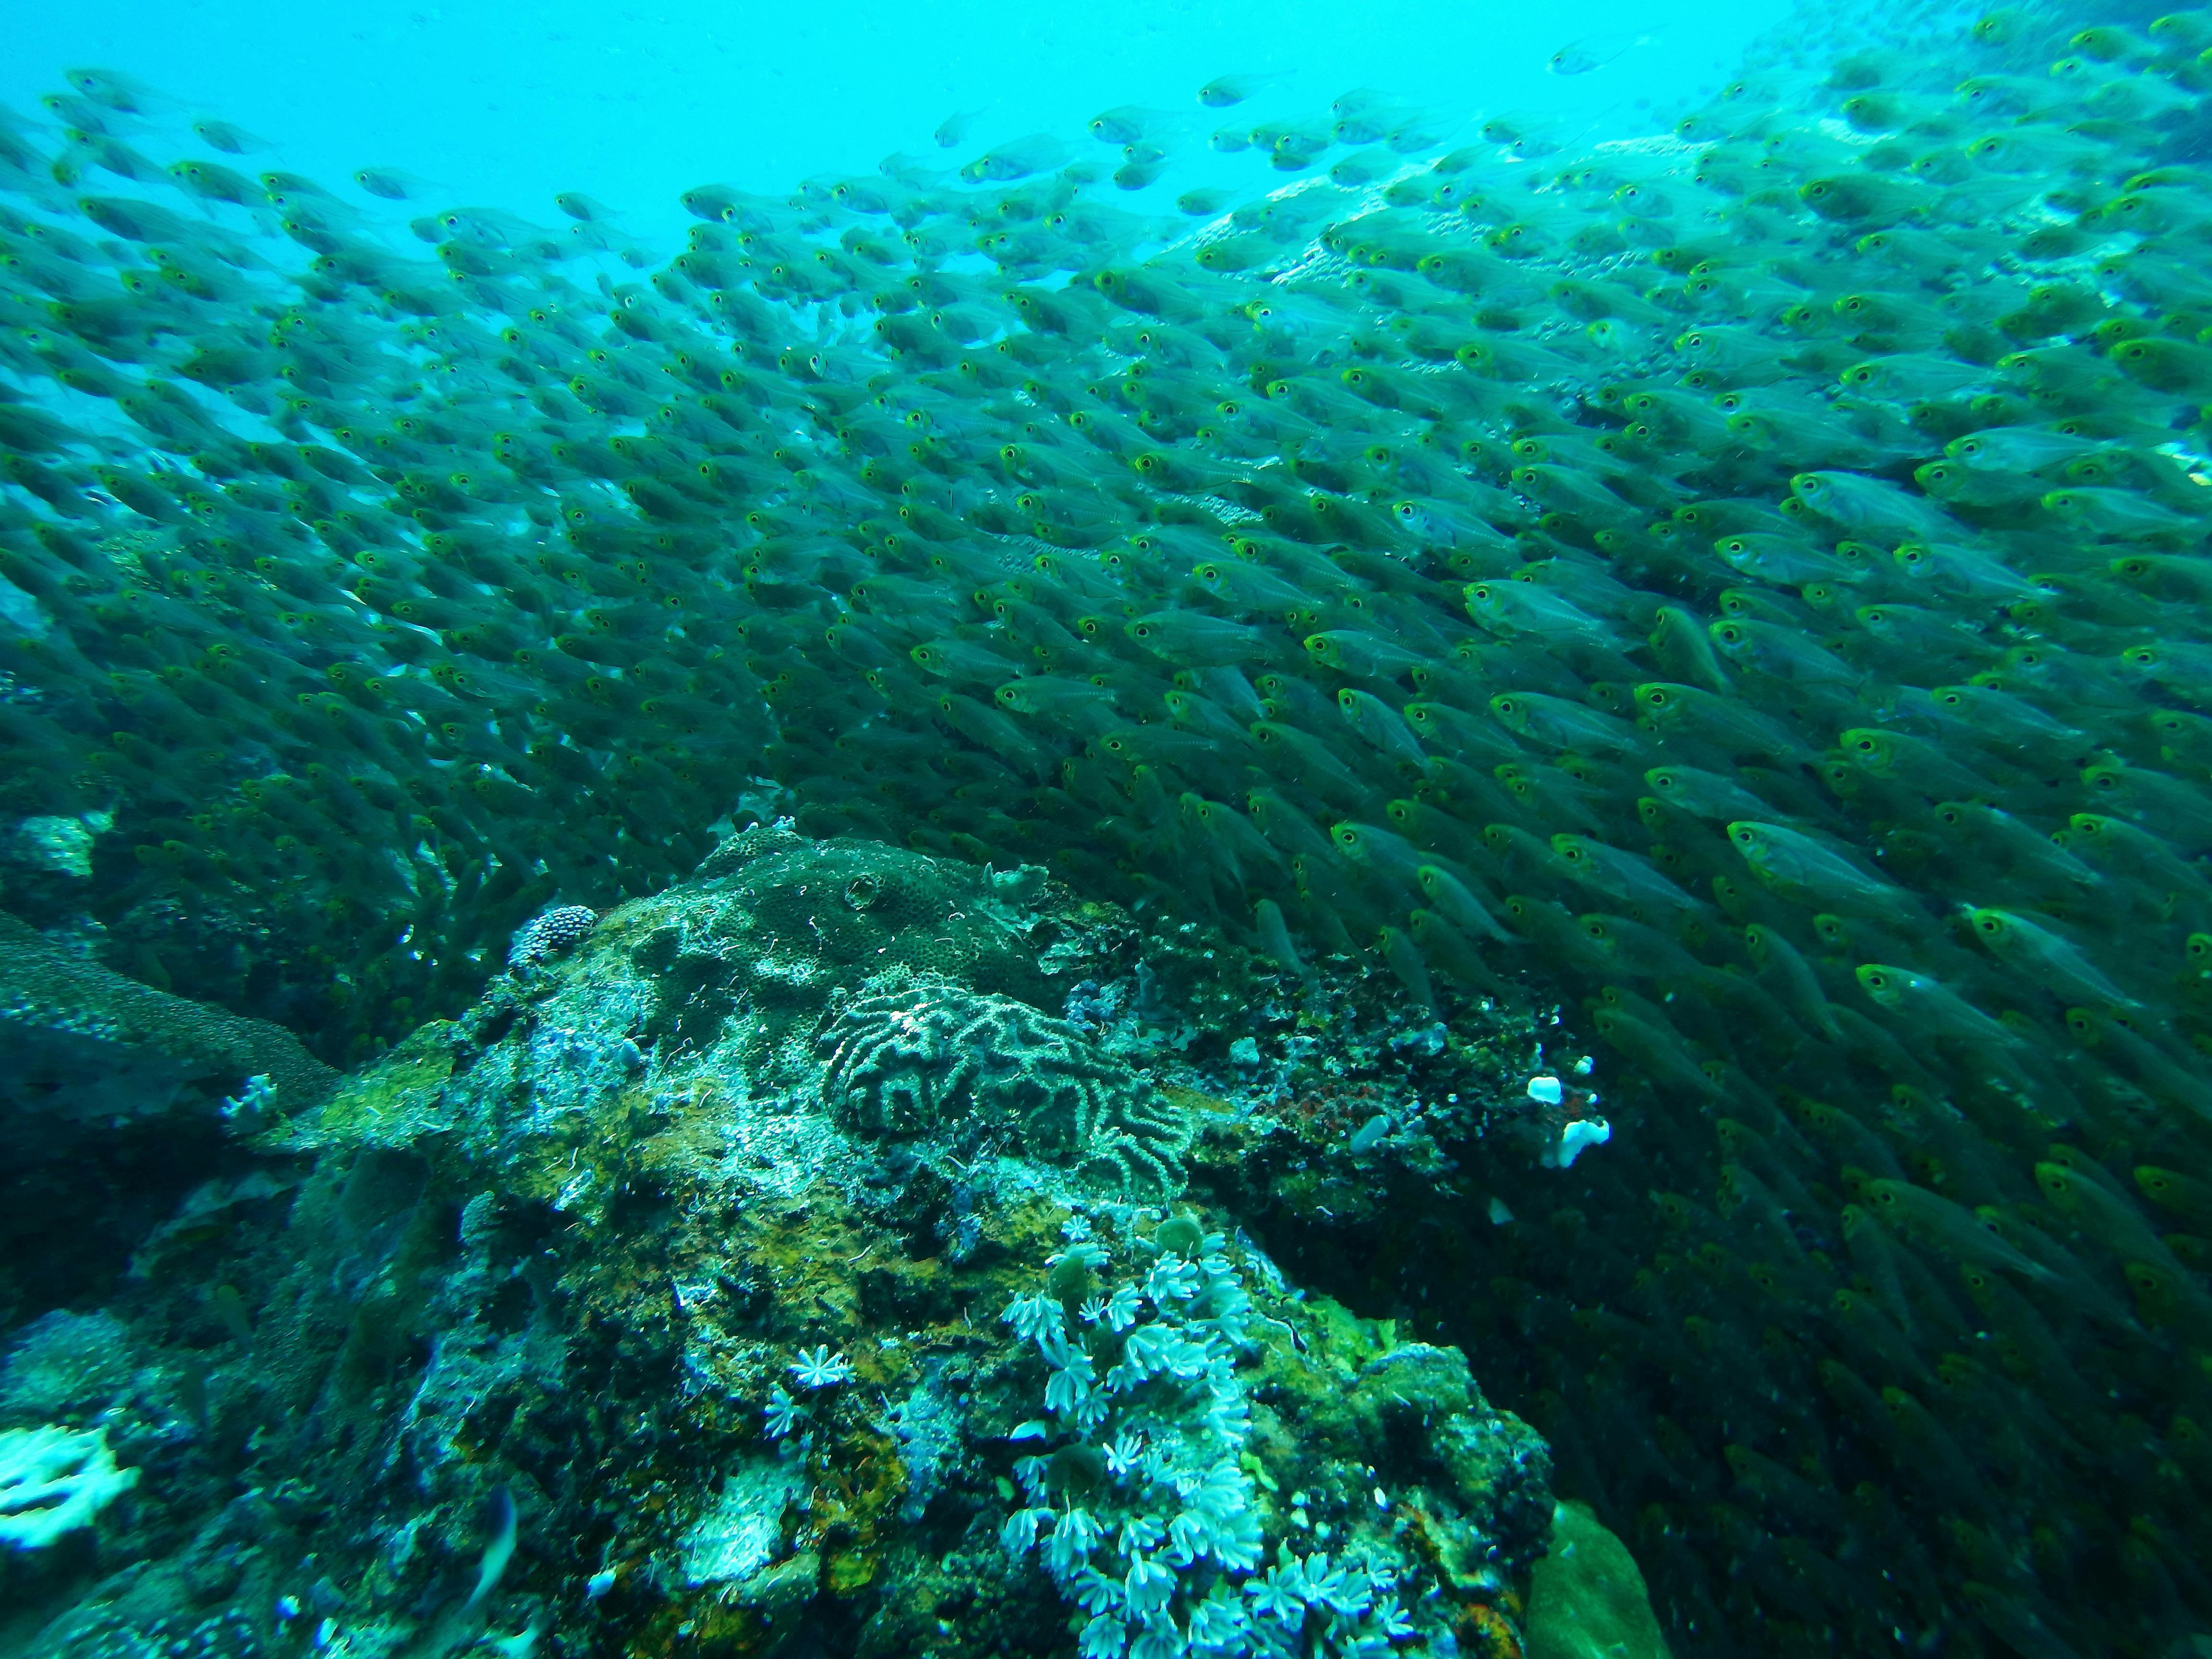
x=502 y=105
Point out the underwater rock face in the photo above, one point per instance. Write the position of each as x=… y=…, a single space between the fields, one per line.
x=118 y=1100
x=721 y=1255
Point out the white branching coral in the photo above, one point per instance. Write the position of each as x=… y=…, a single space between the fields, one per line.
x=933 y=1053
x=53 y=1482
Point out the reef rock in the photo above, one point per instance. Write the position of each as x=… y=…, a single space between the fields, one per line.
x=823 y=1254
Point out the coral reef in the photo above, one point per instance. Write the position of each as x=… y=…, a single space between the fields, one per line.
x=1745 y=576
x=626 y=1271
x=1147 y=1513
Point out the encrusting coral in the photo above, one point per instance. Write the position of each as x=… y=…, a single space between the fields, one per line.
x=65 y=1361
x=74 y=1027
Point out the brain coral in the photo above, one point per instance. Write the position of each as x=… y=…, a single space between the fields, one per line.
x=931 y=1053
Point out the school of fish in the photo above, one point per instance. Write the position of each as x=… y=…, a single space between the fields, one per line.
x=1750 y=582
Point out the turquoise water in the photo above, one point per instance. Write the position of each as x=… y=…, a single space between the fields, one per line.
x=503 y=108
x=1617 y=597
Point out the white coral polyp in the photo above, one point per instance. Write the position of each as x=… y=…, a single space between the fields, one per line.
x=53 y=1482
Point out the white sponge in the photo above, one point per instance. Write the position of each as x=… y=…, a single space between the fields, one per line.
x=53 y=1482
x=1583 y=1132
